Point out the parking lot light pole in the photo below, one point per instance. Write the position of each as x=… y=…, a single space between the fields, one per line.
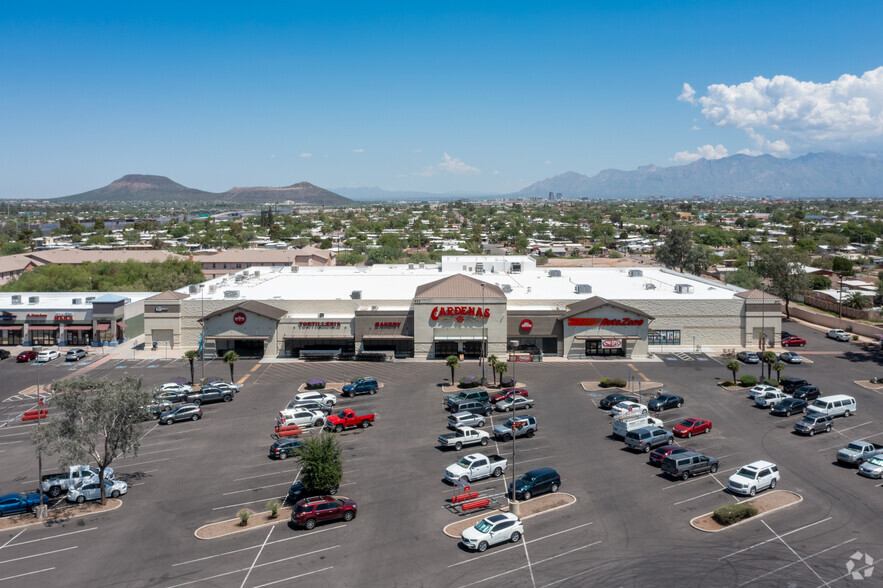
x=514 y=507
x=202 y=343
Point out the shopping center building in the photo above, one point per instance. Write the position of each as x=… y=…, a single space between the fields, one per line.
x=456 y=307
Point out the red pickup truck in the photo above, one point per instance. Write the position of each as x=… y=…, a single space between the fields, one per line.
x=347 y=419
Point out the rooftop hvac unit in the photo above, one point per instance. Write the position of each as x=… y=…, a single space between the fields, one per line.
x=212 y=289
x=649 y=286
x=375 y=307
x=515 y=268
x=479 y=268
x=321 y=315
x=231 y=293
x=194 y=289
x=356 y=295
x=239 y=278
x=257 y=273
x=294 y=269
x=683 y=288
x=33 y=299
x=635 y=273
x=16 y=298
x=507 y=288
x=422 y=265
x=583 y=289
x=410 y=266
x=77 y=301
x=89 y=299
x=554 y=273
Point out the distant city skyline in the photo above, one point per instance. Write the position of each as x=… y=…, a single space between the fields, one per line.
x=460 y=97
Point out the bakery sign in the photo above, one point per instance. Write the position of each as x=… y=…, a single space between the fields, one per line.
x=387 y=325
x=604 y=322
x=318 y=324
x=459 y=313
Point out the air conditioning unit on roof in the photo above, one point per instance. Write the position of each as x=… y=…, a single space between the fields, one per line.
x=683 y=288
x=635 y=273
x=33 y=299
x=555 y=273
x=583 y=289
x=16 y=298
x=77 y=301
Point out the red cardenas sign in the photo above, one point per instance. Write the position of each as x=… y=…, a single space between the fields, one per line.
x=526 y=325
x=604 y=322
x=611 y=343
x=460 y=312
x=239 y=318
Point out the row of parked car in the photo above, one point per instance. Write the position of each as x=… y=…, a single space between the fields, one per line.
x=190 y=407
x=45 y=355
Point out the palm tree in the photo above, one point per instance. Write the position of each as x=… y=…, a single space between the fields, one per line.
x=230 y=358
x=769 y=358
x=857 y=301
x=501 y=368
x=492 y=361
x=778 y=366
x=453 y=362
x=191 y=356
x=733 y=366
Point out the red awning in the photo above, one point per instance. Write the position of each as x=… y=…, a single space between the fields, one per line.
x=78 y=327
x=121 y=324
x=10 y=327
x=43 y=327
x=102 y=326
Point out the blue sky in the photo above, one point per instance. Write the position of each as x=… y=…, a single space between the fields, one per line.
x=472 y=97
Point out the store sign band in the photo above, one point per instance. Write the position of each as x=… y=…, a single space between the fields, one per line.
x=604 y=322
x=459 y=312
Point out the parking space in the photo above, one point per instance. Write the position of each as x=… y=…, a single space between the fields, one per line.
x=629 y=520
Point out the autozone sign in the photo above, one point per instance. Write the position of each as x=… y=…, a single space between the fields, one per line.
x=459 y=313
x=611 y=343
x=604 y=322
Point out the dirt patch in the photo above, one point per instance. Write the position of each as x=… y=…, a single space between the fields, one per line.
x=869 y=386
x=734 y=388
x=232 y=526
x=60 y=515
x=645 y=388
x=765 y=504
x=529 y=508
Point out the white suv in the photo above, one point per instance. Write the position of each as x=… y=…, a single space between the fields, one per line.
x=47 y=355
x=628 y=407
x=491 y=530
x=838 y=334
x=752 y=478
x=322 y=397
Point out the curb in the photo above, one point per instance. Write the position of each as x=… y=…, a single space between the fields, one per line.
x=114 y=503
x=761 y=515
x=251 y=527
x=506 y=509
x=646 y=387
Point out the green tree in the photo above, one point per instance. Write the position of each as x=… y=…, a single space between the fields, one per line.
x=842 y=265
x=680 y=253
x=501 y=368
x=349 y=258
x=321 y=462
x=453 y=362
x=95 y=420
x=744 y=278
x=230 y=358
x=769 y=358
x=785 y=266
x=191 y=355
x=856 y=300
x=733 y=366
x=778 y=366
x=492 y=361
x=818 y=282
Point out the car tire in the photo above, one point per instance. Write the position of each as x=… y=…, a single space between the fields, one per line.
x=812 y=432
x=480 y=423
x=529 y=433
x=713 y=468
x=81 y=499
x=498 y=472
x=482 y=547
x=348 y=516
x=458 y=446
x=487 y=413
x=772 y=484
x=351 y=394
x=366 y=423
x=752 y=492
x=708 y=430
x=515 y=537
x=54 y=492
x=319 y=422
x=685 y=476
x=228 y=398
x=644 y=412
x=802 y=345
x=646 y=449
x=373 y=391
x=170 y=421
x=680 y=404
x=338 y=428
x=526 y=495
x=506 y=409
x=846 y=413
x=483 y=441
x=689 y=434
x=507 y=437
x=828 y=429
x=310 y=524
x=333 y=490
x=115 y=494
x=283 y=455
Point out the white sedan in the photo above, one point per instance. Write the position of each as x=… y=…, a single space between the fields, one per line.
x=491 y=530
x=628 y=407
x=838 y=334
x=760 y=390
x=47 y=355
x=321 y=397
x=301 y=417
x=113 y=489
x=179 y=388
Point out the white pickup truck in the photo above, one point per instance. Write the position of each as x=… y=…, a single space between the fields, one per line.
x=463 y=436
x=55 y=484
x=475 y=467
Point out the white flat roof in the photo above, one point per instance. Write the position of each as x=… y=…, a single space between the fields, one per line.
x=55 y=300
x=399 y=282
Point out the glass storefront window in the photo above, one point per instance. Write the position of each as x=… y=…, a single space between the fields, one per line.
x=669 y=337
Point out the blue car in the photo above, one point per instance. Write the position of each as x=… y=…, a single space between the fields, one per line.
x=16 y=503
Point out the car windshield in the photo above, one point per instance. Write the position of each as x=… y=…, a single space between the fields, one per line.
x=464 y=462
x=746 y=473
x=807 y=420
x=687 y=423
x=526 y=479
x=508 y=423
x=854 y=447
x=341 y=414
x=876 y=461
x=483 y=526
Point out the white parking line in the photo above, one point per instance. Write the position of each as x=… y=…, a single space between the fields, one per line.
x=294 y=577
x=841 y=431
x=37 y=555
x=26 y=574
x=537 y=540
x=773 y=539
x=264 y=475
x=542 y=561
x=175 y=431
x=256 y=488
x=11 y=442
x=13 y=539
x=700 y=496
x=257 y=566
x=14 y=435
x=260 y=551
x=244 y=503
x=800 y=560
x=847 y=574
x=131 y=465
x=152 y=452
x=53 y=536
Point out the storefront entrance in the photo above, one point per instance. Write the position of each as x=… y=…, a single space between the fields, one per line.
x=78 y=337
x=472 y=349
x=11 y=336
x=599 y=347
x=446 y=348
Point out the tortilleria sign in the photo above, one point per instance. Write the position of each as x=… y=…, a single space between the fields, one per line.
x=459 y=313
x=604 y=322
x=317 y=324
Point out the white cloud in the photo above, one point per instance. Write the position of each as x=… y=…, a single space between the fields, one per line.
x=306 y=154
x=496 y=172
x=272 y=156
x=702 y=152
x=449 y=165
x=418 y=150
x=694 y=128
x=687 y=94
x=810 y=114
x=358 y=150
x=547 y=162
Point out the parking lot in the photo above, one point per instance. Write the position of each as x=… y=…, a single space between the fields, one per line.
x=629 y=526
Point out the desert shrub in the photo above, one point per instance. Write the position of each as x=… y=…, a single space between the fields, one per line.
x=733 y=513
x=769 y=382
x=612 y=383
x=507 y=382
x=748 y=380
x=728 y=383
x=315 y=384
x=244 y=515
x=273 y=506
x=469 y=382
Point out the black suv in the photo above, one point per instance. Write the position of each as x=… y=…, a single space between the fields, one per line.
x=284 y=448
x=789 y=385
x=808 y=393
x=472 y=406
x=299 y=492
x=536 y=482
x=210 y=394
x=612 y=400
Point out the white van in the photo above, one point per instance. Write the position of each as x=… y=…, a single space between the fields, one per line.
x=623 y=424
x=837 y=405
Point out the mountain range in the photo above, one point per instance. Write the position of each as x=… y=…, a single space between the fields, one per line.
x=814 y=175
x=153 y=189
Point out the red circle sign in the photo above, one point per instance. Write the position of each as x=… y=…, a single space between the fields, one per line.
x=239 y=318
x=526 y=325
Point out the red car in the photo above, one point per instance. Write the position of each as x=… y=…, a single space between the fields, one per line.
x=793 y=341
x=508 y=393
x=660 y=453
x=26 y=356
x=691 y=427
x=310 y=511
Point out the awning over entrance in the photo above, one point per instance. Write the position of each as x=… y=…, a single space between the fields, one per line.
x=78 y=327
x=121 y=324
x=102 y=326
x=43 y=328
x=387 y=338
x=239 y=337
x=458 y=338
x=317 y=336
x=10 y=327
